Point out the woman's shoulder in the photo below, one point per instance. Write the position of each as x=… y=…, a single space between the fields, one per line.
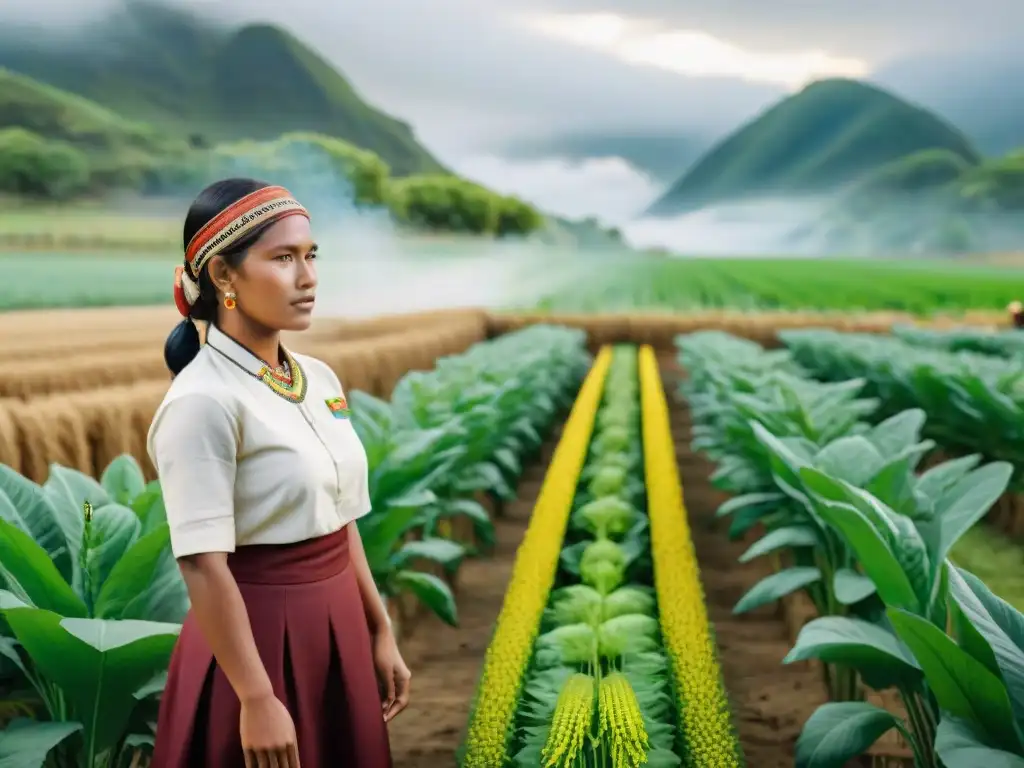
x=200 y=385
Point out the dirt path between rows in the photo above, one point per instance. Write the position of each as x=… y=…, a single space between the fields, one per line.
x=770 y=701
x=446 y=661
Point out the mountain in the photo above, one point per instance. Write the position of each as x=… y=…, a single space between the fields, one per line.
x=818 y=140
x=978 y=90
x=153 y=63
x=663 y=157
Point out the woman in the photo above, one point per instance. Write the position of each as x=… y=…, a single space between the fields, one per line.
x=263 y=479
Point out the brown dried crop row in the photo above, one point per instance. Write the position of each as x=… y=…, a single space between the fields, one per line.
x=57 y=334
x=660 y=329
x=74 y=342
x=85 y=430
x=123 y=367
x=39 y=323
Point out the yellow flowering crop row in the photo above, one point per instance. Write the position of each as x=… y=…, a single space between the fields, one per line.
x=530 y=584
x=704 y=708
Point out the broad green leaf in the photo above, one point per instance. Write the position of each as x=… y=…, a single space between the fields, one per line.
x=851 y=458
x=32 y=576
x=149 y=508
x=98 y=664
x=897 y=432
x=123 y=479
x=934 y=482
x=430 y=591
x=958 y=746
x=961 y=684
x=851 y=587
x=872 y=650
x=771 y=588
x=508 y=462
x=748 y=500
x=26 y=743
x=963 y=505
x=382 y=530
x=893 y=485
x=789 y=537
x=68 y=490
x=145 y=583
x=570 y=557
x=113 y=530
x=29 y=508
x=483 y=526
x=784 y=461
x=745 y=520
x=840 y=731
x=872 y=552
x=442 y=551
x=153 y=687
x=998 y=646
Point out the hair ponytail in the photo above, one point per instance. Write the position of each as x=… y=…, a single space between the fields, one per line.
x=182 y=346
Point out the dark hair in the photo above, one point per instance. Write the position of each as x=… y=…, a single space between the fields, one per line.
x=183 y=343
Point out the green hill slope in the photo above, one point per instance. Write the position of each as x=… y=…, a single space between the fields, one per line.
x=829 y=134
x=160 y=65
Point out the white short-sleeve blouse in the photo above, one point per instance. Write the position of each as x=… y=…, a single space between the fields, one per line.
x=239 y=464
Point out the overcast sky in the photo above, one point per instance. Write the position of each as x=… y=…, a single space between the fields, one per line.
x=469 y=74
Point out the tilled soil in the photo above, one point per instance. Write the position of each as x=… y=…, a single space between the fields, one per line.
x=445 y=661
x=770 y=701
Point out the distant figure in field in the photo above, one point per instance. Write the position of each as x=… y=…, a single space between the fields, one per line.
x=1016 y=310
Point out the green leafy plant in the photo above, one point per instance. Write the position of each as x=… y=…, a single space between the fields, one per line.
x=449 y=434
x=869 y=537
x=91 y=602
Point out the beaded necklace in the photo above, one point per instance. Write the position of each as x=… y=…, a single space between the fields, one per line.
x=287 y=380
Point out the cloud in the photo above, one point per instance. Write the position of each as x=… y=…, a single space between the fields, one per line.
x=691 y=52
x=471 y=76
x=608 y=188
x=867 y=29
x=468 y=76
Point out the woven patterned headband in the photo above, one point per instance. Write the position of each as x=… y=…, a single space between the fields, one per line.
x=226 y=228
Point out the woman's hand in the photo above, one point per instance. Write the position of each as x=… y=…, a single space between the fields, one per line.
x=268 y=734
x=392 y=674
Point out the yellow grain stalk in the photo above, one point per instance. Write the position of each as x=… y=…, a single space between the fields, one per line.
x=530 y=583
x=622 y=724
x=570 y=724
x=705 y=716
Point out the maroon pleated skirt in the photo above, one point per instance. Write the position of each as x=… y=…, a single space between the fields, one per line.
x=308 y=622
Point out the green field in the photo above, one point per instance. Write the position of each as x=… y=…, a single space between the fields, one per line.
x=395 y=273
x=920 y=287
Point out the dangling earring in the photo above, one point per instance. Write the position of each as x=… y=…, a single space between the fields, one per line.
x=229 y=300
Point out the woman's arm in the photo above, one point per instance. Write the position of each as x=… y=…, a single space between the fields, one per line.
x=224 y=622
x=392 y=674
x=376 y=614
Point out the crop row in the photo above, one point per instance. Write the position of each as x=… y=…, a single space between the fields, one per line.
x=836 y=499
x=963 y=339
x=85 y=561
x=120 y=365
x=67 y=334
x=687 y=285
x=602 y=655
x=974 y=402
x=85 y=430
x=59 y=335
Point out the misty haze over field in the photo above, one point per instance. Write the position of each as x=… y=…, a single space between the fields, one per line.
x=615 y=99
